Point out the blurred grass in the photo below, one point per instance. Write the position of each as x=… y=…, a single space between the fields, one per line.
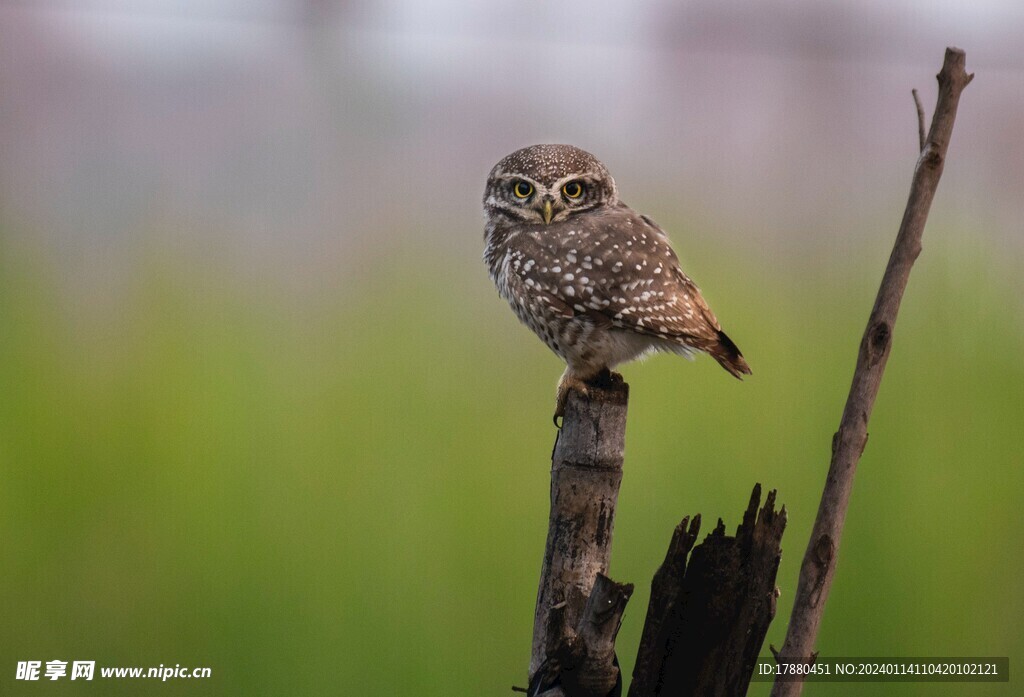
x=350 y=496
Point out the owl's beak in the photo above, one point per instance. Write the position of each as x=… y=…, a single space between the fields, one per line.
x=548 y=212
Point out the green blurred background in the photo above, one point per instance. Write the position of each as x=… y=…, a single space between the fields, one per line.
x=261 y=409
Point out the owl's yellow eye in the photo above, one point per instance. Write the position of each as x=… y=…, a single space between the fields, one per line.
x=573 y=190
x=522 y=189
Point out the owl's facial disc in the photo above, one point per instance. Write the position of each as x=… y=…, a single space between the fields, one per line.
x=548 y=199
x=547 y=184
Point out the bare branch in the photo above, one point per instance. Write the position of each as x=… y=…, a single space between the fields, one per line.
x=920 y=120
x=819 y=562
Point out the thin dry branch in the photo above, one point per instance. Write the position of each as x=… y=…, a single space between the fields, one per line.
x=920 y=120
x=819 y=562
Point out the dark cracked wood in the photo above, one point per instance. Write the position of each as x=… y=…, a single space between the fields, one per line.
x=708 y=616
x=581 y=661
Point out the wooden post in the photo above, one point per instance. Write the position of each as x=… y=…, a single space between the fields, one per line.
x=586 y=469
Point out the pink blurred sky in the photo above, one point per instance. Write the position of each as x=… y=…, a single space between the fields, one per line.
x=305 y=135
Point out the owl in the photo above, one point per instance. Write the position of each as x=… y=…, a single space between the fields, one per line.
x=598 y=282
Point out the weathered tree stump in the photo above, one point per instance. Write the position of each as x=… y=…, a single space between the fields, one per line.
x=708 y=617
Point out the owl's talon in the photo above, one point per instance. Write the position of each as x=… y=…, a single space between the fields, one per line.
x=560 y=400
x=565 y=385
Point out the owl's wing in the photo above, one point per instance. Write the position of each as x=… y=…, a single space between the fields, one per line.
x=653 y=296
x=641 y=285
x=619 y=266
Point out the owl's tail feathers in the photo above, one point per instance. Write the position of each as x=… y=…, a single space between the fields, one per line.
x=729 y=357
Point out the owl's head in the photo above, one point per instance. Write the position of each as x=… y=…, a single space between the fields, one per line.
x=547 y=183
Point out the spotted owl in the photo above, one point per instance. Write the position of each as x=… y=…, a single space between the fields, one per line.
x=598 y=282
